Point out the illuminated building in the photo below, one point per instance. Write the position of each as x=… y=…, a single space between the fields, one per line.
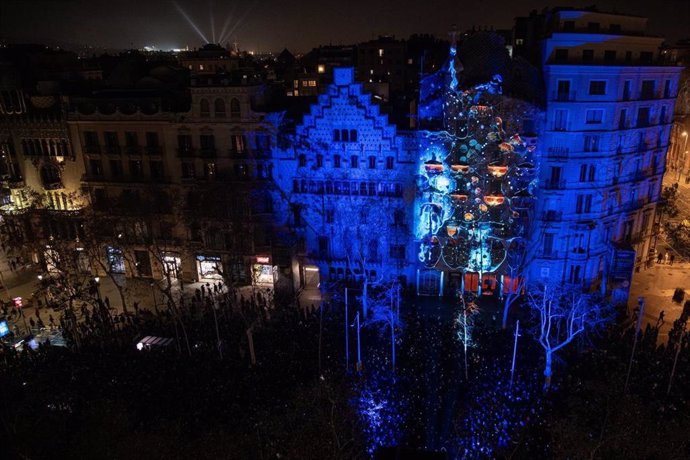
x=609 y=106
x=344 y=178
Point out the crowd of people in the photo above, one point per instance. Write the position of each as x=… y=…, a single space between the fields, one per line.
x=263 y=380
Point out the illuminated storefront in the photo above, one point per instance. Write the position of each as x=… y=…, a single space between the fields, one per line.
x=262 y=271
x=209 y=266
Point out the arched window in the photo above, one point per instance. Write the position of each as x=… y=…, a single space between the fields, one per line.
x=205 y=108
x=219 y=108
x=235 y=111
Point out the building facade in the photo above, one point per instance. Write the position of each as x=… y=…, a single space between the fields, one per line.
x=608 y=119
x=344 y=188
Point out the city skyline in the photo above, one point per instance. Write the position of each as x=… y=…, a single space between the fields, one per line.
x=269 y=26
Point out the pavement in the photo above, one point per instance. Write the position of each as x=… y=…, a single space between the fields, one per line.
x=657 y=285
x=658 y=282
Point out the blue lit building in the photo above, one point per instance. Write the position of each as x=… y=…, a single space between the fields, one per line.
x=344 y=181
x=608 y=119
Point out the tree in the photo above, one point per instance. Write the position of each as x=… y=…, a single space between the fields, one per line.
x=385 y=312
x=465 y=323
x=563 y=312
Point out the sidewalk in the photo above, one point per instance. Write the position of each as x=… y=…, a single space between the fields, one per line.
x=657 y=285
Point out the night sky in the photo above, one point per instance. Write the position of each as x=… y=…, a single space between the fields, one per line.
x=270 y=25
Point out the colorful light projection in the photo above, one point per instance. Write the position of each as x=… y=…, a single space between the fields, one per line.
x=475 y=181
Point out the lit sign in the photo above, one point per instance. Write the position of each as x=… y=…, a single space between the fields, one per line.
x=18 y=302
x=4 y=328
x=262 y=260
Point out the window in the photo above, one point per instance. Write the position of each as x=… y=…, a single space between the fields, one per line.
x=188 y=170
x=390 y=162
x=112 y=146
x=354 y=161
x=568 y=26
x=135 y=168
x=204 y=108
x=583 y=204
x=662 y=115
x=336 y=135
x=319 y=161
x=353 y=135
x=156 y=168
x=643 y=117
x=344 y=135
x=667 y=89
x=626 y=90
x=238 y=143
x=143 y=263
x=95 y=167
x=563 y=93
x=587 y=173
x=591 y=143
x=623 y=119
x=91 y=142
x=330 y=216
x=628 y=56
x=575 y=274
x=115 y=168
x=336 y=161
x=594 y=116
x=372 y=162
x=184 y=144
x=560 y=120
x=207 y=142
x=647 y=90
x=131 y=139
x=593 y=27
x=219 y=108
x=235 y=111
x=152 y=142
x=597 y=87
x=587 y=55
x=302 y=161
x=609 y=56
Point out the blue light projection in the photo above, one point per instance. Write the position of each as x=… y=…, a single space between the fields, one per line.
x=475 y=182
x=381 y=411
